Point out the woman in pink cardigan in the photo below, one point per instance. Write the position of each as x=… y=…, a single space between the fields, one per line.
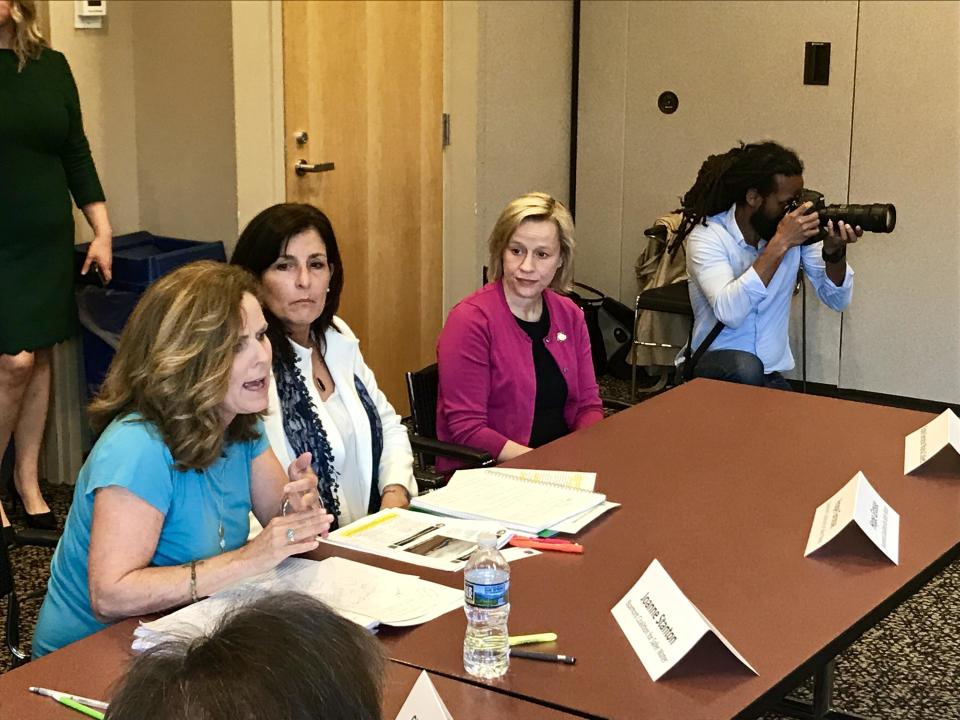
x=514 y=357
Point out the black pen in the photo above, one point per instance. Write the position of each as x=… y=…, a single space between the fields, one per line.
x=405 y=541
x=546 y=657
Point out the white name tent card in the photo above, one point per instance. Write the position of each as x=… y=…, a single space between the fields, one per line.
x=858 y=503
x=661 y=624
x=923 y=444
x=424 y=702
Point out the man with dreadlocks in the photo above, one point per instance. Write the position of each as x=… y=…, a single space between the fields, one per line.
x=743 y=254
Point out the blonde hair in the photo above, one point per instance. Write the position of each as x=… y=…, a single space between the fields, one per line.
x=174 y=362
x=28 y=41
x=534 y=206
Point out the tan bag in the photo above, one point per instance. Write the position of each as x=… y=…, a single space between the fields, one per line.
x=658 y=266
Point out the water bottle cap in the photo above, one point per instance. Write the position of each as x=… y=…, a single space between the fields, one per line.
x=487 y=540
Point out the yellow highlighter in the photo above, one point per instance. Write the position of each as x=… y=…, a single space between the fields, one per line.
x=531 y=639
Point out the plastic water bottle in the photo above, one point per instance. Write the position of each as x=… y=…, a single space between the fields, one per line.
x=486 y=590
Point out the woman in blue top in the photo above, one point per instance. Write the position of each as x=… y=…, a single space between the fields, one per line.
x=160 y=511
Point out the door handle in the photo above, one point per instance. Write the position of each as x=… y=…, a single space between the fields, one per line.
x=302 y=167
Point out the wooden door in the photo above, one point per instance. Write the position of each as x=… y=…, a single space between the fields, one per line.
x=364 y=81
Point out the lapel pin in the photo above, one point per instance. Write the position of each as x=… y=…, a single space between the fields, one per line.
x=561 y=337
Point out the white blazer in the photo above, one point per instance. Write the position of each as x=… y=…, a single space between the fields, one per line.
x=344 y=360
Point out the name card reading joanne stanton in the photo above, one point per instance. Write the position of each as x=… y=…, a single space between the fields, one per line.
x=857 y=502
x=923 y=444
x=661 y=624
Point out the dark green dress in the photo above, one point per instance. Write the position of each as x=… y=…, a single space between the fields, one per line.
x=44 y=158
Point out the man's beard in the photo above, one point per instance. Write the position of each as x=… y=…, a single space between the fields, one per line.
x=765 y=226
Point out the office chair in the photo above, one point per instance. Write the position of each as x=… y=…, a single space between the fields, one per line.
x=41 y=538
x=422 y=386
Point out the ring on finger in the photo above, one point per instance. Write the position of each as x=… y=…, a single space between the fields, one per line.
x=291 y=535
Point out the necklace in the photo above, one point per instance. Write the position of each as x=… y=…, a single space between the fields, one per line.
x=221 y=533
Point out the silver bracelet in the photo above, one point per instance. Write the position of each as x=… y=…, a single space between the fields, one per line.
x=193 y=581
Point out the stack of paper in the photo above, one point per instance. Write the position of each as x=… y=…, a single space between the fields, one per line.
x=501 y=496
x=366 y=595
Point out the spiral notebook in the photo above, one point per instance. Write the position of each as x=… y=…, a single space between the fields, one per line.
x=519 y=504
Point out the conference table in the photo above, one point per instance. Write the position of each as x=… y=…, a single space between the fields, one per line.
x=719 y=482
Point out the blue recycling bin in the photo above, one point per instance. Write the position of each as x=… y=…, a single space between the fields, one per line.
x=138 y=259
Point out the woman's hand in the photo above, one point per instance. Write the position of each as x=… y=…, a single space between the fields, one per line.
x=301 y=494
x=287 y=535
x=101 y=253
x=394 y=496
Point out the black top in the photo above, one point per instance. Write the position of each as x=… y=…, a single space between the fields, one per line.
x=548 y=422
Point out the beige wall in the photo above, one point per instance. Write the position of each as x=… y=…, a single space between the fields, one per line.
x=186 y=151
x=507 y=88
x=258 y=106
x=102 y=63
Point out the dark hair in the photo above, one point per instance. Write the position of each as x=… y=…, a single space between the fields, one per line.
x=285 y=655
x=261 y=243
x=725 y=179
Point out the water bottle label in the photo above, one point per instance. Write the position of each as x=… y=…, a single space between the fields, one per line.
x=487 y=596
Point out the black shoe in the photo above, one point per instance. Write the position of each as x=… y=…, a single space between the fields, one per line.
x=9 y=535
x=40 y=521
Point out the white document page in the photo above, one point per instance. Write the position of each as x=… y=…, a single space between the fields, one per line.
x=923 y=444
x=424 y=702
x=364 y=594
x=661 y=624
x=857 y=502
x=418 y=538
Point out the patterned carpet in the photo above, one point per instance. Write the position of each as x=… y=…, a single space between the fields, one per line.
x=906 y=668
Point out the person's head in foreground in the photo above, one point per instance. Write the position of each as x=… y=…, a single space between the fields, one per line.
x=285 y=655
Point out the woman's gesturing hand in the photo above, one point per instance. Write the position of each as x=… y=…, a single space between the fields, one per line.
x=286 y=535
x=301 y=492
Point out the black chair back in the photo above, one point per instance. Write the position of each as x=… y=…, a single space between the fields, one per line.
x=12 y=620
x=422 y=389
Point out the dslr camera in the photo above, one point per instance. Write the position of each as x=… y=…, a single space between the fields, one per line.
x=878 y=217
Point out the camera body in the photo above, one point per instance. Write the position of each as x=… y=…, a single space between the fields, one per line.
x=877 y=217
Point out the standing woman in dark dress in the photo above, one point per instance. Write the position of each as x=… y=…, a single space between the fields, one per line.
x=44 y=159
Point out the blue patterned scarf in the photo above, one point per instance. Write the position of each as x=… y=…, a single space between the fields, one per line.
x=305 y=432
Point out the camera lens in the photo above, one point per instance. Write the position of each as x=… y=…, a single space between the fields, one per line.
x=878 y=217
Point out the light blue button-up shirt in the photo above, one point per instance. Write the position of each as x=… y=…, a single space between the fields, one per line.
x=724 y=286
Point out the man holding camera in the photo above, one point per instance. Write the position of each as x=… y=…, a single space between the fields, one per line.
x=746 y=231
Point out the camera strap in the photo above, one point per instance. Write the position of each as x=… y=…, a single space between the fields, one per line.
x=690 y=362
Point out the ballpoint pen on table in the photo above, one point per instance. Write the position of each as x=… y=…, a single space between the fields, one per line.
x=75 y=702
x=545 y=657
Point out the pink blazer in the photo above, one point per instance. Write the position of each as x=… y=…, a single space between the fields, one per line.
x=487 y=382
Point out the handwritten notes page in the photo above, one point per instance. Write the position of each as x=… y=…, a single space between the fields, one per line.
x=364 y=594
x=923 y=444
x=857 y=502
x=661 y=624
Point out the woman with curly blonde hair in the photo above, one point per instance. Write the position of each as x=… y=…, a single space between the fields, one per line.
x=44 y=162
x=160 y=511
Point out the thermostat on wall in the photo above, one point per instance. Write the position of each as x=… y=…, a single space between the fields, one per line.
x=89 y=13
